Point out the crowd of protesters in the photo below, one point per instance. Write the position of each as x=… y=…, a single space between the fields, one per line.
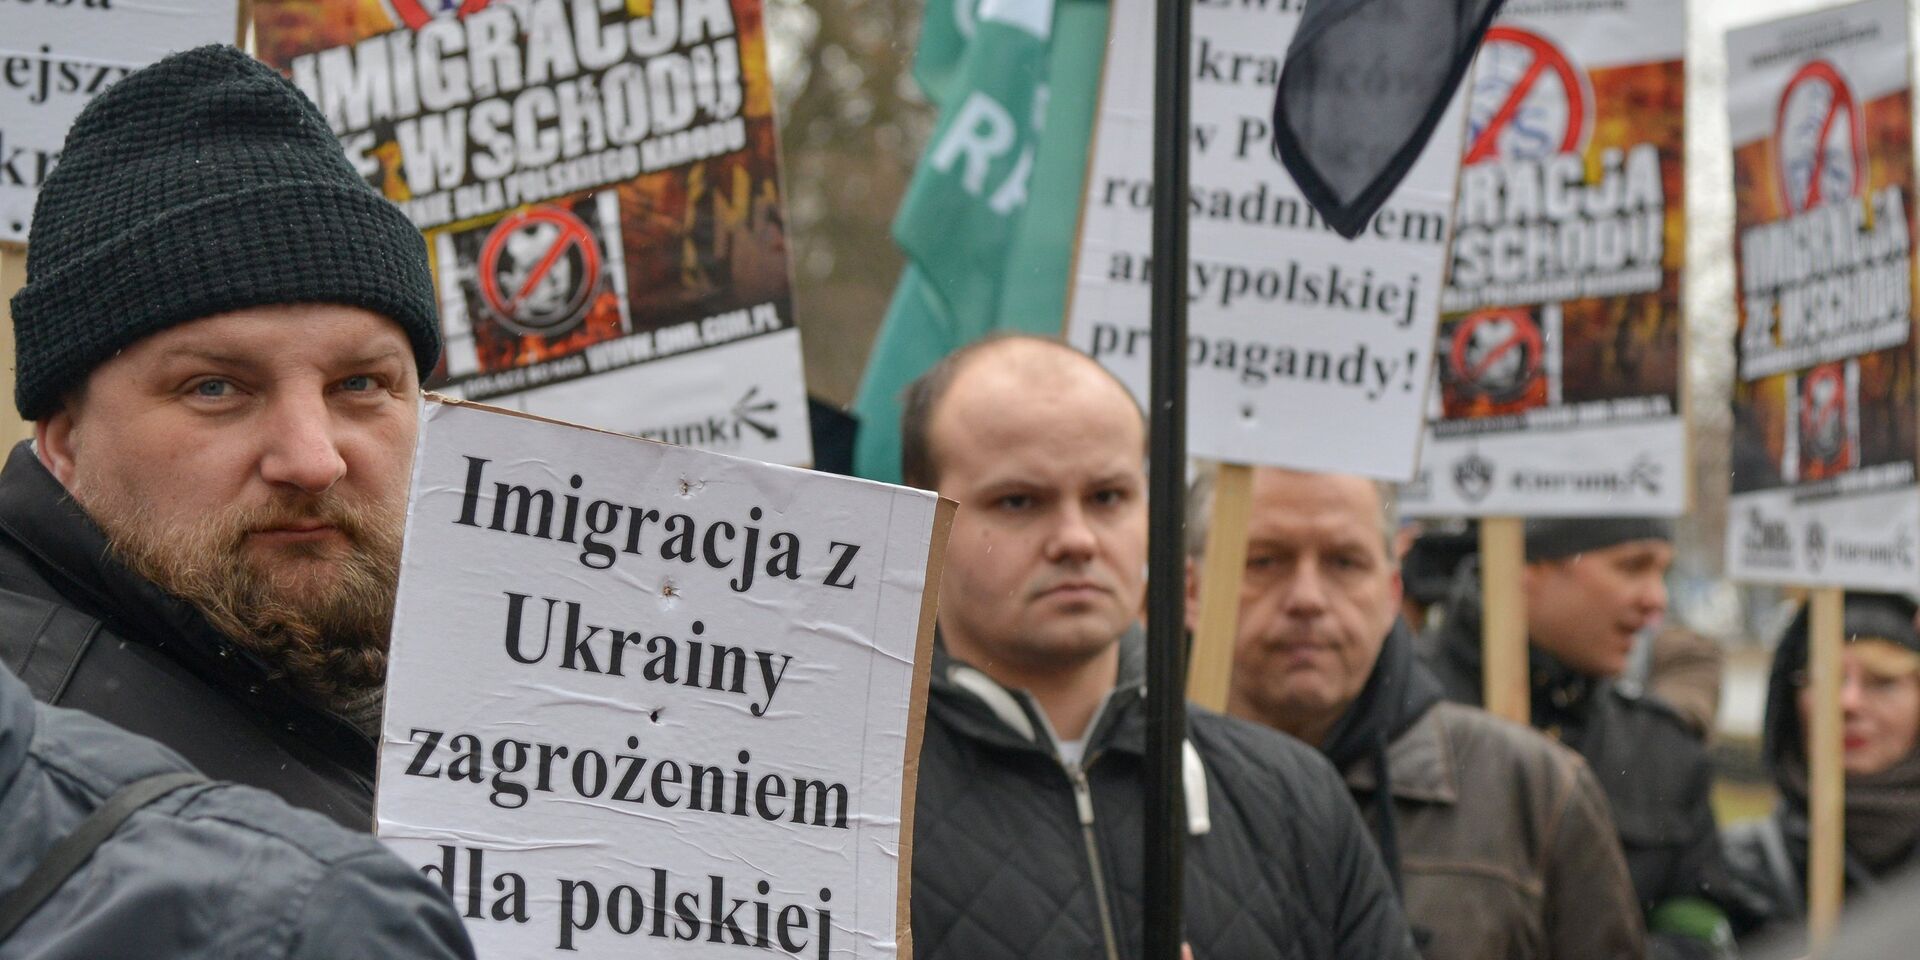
x=198 y=552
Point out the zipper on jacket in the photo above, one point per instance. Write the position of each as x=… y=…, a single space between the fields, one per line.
x=1083 y=800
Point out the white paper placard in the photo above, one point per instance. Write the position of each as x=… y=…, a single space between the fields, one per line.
x=1305 y=350
x=57 y=55
x=647 y=700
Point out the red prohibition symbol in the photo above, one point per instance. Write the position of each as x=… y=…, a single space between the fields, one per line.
x=414 y=13
x=1802 y=111
x=1544 y=57
x=1496 y=353
x=1823 y=411
x=569 y=235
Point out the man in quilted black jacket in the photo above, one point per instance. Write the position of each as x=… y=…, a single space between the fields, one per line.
x=1028 y=827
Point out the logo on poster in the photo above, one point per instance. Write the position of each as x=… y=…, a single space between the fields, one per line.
x=1816 y=544
x=1768 y=543
x=1819 y=139
x=1823 y=414
x=1496 y=354
x=1527 y=100
x=1640 y=476
x=1474 y=477
x=538 y=271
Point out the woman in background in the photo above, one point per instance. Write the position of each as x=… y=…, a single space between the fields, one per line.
x=1880 y=705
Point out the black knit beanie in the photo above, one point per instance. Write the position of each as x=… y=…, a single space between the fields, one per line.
x=1552 y=538
x=202 y=184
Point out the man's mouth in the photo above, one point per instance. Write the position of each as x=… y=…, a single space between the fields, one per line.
x=1074 y=590
x=307 y=531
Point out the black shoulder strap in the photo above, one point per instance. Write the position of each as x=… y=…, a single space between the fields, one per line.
x=73 y=850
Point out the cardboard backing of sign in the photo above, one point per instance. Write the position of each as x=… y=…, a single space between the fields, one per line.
x=1824 y=400
x=58 y=57
x=1305 y=350
x=1561 y=337
x=601 y=201
x=649 y=699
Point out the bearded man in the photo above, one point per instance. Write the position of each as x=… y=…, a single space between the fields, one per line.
x=220 y=344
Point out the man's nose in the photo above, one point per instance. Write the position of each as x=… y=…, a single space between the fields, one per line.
x=1073 y=536
x=1306 y=590
x=300 y=446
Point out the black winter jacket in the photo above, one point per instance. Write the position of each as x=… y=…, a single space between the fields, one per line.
x=1019 y=854
x=85 y=632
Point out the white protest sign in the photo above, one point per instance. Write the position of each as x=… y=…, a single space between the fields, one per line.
x=56 y=55
x=1824 y=397
x=1560 y=346
x=1304 y=350
x=651 y=701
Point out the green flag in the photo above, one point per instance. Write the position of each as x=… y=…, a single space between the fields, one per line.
x=988 y=221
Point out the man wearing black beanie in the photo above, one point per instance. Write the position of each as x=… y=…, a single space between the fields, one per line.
x=1592 y=587
x=220 y=342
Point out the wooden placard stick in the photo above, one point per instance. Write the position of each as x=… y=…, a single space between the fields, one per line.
x=13 y=276
x=1825 y=880
x=1503 y=640
x=1210 y=663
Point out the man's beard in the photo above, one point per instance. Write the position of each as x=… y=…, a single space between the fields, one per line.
x=318 y=613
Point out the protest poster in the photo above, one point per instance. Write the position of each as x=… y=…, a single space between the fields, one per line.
x=57 y=55
x=1821 y=117
x=651 y=700
x=600 y=191
x=1304 y=350
x=1561 y=335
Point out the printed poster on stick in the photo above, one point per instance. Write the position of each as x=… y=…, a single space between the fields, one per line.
x=1561 y=335
x=646 y=700
x=1821 y=113
x=1304 y=350
x=57 y=55
x=600 y=191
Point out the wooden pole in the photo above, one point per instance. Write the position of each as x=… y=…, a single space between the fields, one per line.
x=13 y=276
x=1503 y=641
x=1210 y=664
x=1825 y=878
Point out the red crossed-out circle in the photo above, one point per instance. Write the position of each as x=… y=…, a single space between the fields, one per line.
x=573 y=234
x=1471 y=372
x=1822 y=72
x=415 y=16
x=1546 y=56
x=1823 y=419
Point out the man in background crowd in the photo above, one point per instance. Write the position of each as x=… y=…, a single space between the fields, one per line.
x=1028 y=825
x=1499 y=838
x=1592 y=586
x=220 y=343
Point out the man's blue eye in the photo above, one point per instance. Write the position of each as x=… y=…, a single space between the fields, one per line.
x=213 y=388
x=362 y=382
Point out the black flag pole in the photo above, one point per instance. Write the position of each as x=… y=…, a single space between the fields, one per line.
x=1166 y=563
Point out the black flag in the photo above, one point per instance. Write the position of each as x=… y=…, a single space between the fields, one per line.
x=1365 y=83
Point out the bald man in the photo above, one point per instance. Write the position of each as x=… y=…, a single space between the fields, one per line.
x=1028 y=827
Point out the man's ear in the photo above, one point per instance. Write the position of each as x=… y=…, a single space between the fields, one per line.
x=53 y=443
x=1193 y=596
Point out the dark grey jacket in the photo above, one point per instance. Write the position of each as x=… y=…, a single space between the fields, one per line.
x=207 y=871
x=1017 y=854
x=85 y=632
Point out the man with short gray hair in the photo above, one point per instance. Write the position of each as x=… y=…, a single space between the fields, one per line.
x=1499 y=838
